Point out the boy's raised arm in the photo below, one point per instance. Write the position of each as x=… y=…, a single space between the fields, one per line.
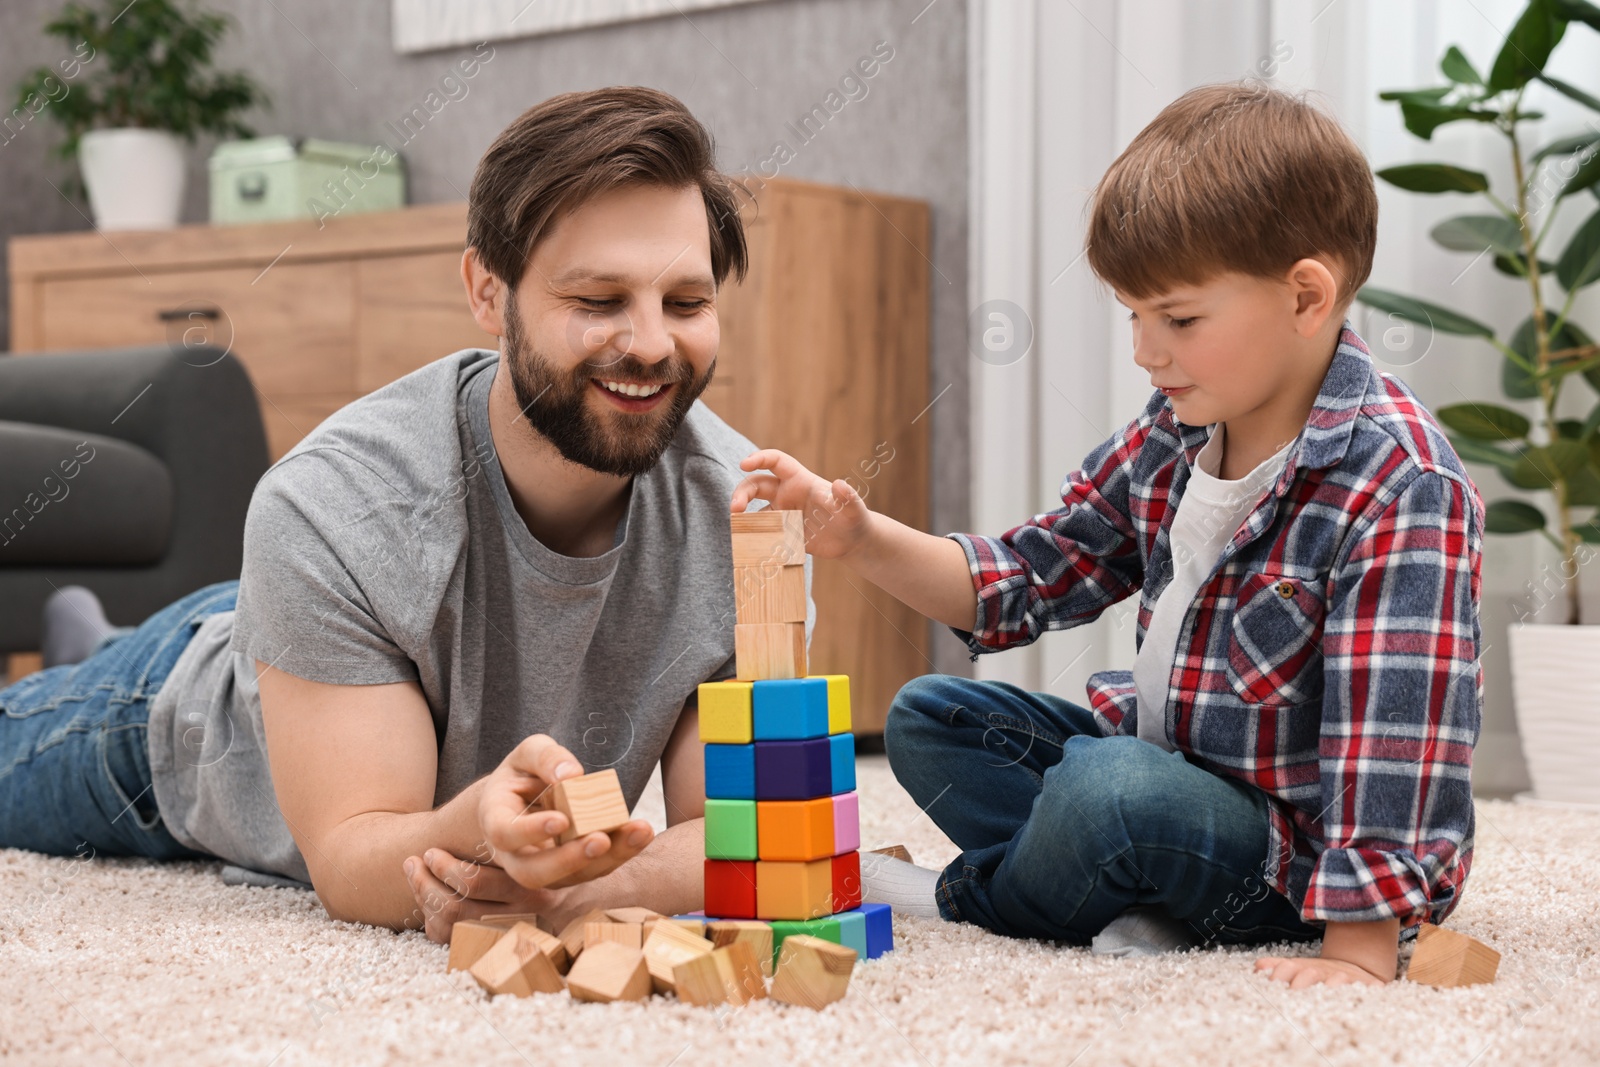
x=924 y=572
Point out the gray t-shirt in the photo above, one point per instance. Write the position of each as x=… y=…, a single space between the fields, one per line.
x=385 y=548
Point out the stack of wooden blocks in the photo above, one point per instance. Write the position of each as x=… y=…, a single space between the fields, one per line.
x=782 y=823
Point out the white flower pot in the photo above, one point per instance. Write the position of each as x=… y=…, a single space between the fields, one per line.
x=134 y=178
x=1555 y=681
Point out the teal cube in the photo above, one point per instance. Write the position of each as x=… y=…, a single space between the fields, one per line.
x=853 y=932
x=731 y=830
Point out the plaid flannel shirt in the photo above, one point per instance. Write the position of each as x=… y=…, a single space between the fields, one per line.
x=1331 y=658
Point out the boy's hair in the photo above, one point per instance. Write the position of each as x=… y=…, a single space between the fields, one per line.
x=559 y=154
x=1233 y=177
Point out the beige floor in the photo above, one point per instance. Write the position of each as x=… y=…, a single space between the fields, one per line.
x=122 y=962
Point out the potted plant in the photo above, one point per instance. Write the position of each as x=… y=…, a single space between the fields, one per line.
x=142 y=84
x=1555 y=668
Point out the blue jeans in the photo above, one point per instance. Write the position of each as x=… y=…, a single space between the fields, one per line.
x=1061 y=829
x=74 y=764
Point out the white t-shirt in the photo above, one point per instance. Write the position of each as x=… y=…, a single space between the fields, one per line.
x=1209 y=514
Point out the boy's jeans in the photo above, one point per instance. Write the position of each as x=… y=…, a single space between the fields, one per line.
x=1063 y=829
x=74 y=766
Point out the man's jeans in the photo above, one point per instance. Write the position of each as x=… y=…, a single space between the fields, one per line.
x=74 y=765
x=1063 y=829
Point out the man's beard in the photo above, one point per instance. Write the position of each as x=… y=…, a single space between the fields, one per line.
x=555 y=404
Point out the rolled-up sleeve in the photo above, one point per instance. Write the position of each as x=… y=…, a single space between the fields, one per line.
x=1066 y=566
x=1401 y=707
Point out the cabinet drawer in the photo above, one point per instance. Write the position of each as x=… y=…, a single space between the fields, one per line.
x=410 y=311
x=290 y=326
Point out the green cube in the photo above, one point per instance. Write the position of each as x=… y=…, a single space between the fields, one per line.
x=826 y=928
x=731 y=830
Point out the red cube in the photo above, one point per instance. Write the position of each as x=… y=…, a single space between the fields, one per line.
x=846 y=881
x=731 y=888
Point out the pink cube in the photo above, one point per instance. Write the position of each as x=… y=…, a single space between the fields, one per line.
x=846 y=823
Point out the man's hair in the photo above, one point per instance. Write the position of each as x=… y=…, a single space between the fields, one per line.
x=559 y=154
x=1233 y=177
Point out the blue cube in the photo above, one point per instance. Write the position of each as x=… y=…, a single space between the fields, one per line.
x=842 y=756
x=790 y=709
x=793 y=770
x=731 y=772
x=880 y=929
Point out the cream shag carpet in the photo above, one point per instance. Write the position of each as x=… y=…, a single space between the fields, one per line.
x=108 y=962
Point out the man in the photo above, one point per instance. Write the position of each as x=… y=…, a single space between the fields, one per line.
x=489 y=575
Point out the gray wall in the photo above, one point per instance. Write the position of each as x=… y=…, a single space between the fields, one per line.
x=745 y=71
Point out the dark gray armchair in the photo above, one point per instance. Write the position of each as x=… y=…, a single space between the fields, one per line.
x=128 y=471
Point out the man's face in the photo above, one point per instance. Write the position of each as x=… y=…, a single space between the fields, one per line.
x=1220 y=349
x=612 y=332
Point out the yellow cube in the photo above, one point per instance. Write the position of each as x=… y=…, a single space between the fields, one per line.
x=725 y=717
x=838 y=703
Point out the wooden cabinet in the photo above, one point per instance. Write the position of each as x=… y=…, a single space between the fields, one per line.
x=824 y=346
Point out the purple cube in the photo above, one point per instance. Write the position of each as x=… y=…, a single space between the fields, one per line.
x=793 y=770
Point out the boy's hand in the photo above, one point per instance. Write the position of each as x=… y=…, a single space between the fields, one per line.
x=836 y=516
x=1301 y=971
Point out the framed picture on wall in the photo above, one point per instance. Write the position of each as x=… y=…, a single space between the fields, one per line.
x=421 y=25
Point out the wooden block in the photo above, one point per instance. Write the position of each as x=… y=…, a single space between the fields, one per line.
x=641 y=916
x=728 y=975
x=812 y=972
x=770 y=594
x=757 y=934
x=1446 y=959
x=469 y=940
x=609 y=971
x=697 y=927
x=667 y=946
x=517 y=964
x=507 y=921
x=899 y=852
x=572 y=934
x=549 y=944
x=769 y=650
x=630 y=934
x=768 y=538
x=591 y=802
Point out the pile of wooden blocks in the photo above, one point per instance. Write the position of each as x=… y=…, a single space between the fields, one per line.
x=632 y=953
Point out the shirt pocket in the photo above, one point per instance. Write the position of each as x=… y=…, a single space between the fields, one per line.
x=1275 y=640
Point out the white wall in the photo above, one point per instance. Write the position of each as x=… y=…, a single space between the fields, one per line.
x=1058 y=90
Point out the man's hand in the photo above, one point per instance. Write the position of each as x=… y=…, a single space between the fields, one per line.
x=836 y=516
x=1301 y=971
x=521 y=867
x=449 y=889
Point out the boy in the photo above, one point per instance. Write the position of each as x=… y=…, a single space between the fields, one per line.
x=1290 y=756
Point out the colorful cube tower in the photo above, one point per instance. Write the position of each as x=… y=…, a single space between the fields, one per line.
x=783 y=828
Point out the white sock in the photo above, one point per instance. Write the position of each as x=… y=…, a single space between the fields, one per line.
x=1142 y=930
x=905 y=887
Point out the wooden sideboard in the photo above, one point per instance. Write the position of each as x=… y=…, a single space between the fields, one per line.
x=824 y=347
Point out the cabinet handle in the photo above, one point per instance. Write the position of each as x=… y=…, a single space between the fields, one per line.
x=179 y=314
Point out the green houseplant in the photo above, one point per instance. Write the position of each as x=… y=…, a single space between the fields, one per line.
x=141 y=84
x=1541 y=359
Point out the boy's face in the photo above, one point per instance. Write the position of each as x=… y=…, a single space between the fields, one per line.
x=1222 y=349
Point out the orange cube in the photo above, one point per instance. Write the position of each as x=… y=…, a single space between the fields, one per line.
x=791 y=890
x=794 y=829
